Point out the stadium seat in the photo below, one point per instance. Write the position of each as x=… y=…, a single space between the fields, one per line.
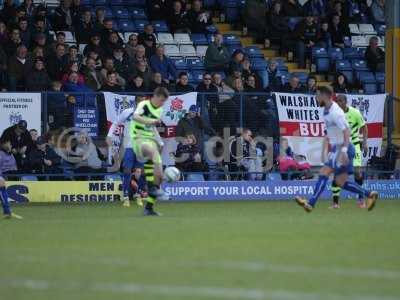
x=321 y=59
x=359 y=65
x=231 y=39
x=354 y=29
x=335 y=54
x=100 y=2
x=201 y=50
x=160 y=26
x=81 y=48
x=171 y=50
x=233 y=48
x=108 y=12
x=187 y=50
x=86 y=3
x=140 y=24
x=284 y=77
x=212 y=29
x=135 y=3
x=209 y=3
x=380 y=29
x=69 y=38
x=253 y=52
x=293 y=21
x=197 y=76
x=199 y=39
x=232 y=13
x=180 y=64
x=112 y=177
x=29 y=178
x=126 y=26
x=283 y=68
x=344 y=66
x=367 y=29
x=182 y=38
x=120 y=13
x=195 y=177
x=352 y=53
x=258 y=64
x=380 y=77
x=138 y=14
x=359 y=41
x=165 y=38
x=195 y=63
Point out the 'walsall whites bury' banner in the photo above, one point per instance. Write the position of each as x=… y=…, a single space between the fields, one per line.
x=15 y=107
x=174 y=109
x=301 y=122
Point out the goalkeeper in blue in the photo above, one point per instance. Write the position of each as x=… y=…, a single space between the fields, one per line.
x=340 y=157
x=129 y=161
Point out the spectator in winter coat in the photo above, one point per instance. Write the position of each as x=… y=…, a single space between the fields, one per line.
x=198 y=18
x=187 y=155
x=85 y=28
x=43 y=159
x=293 y=86
x=91 y=75
x=217 y=55
x=136 y=84
x=307 y=34
x=38 y=80
x=95 y=45
x=111 y=84
x=19 y=68
x=183 y=86
x=340 y=85
x=145 y=72
x=56 y=63
x=162 y=64
x=63 y=16
x=375 y=56
x=177 y=21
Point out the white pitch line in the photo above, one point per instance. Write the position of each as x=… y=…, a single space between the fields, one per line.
x=206 y=292
x=227 y=265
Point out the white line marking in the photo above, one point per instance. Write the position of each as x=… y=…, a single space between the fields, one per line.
x=178 y=290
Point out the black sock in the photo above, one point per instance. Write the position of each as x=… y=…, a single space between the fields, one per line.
x=149 y=205
x=336 y=199
x=359 y=181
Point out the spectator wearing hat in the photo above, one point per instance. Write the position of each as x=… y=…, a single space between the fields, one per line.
x=20 y=140
x=122 y=63
x=43 y=159
x=306 y=33
x=162 y=64
x=19 y=68
x=183 y=86
x=217 y=55
x=63 y=19
x=198 y=18
x=57 y=62
x=193 y=124
x=85 y=28
x=38 y=80
x=94 y=45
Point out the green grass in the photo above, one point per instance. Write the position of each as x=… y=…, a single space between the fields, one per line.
x=225 y=250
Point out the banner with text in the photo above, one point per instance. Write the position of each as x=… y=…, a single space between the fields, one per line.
x=21 y=106
x=86 y=119
x=301 y=122
x=111 y=191
x=173 y=110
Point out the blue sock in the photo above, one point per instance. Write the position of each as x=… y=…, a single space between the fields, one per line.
x=319 y=188
x=355 y=188
x=4 y=201
x=126 y=181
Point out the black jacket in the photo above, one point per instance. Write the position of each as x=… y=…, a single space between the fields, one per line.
x=55 y=66
x=38 y=81
x=17 y=142
x=37 y=157
x=179 y=88
x=374 y=58
x=196 y=126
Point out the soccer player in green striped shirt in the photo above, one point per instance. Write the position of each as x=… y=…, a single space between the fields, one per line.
x=147 y=144
x=357 y=126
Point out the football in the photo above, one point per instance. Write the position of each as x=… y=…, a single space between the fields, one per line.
x=172 y=174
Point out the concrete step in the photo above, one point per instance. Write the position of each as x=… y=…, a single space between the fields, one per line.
x=247 y=41
x=235 y=32
x=292 y=66
x=271 y=53
x=320 y=77
x=299 y=70
x=323 y=83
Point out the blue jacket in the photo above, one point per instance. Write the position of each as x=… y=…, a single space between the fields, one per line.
x=165 y=66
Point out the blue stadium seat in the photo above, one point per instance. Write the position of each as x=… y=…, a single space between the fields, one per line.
x=335 y=54
x=253 y=52
x=195 y=177
x=209 y=3
x=86 y=3
x=283 y=68
x=140 y=24
x=180 y=64
x=274 y=176
x=380 y=29
x=135 y=3
x=380 y=77
x=233 y=48
x=212 y=29
x=195 y=64
x=302 y=76
x=258 y=64
x=321 y=59
x=116 y=3
x=120 y=12
x=199 y=39
x=108 y=12
x=100 y=2
x=293 y=21
x=353 y=53
x=284 y=77
x=29 y=178
x=368 y=82
x=160 y=26
x=138 y=14
x=231 y=39
x=343 y=65
x=197 y=76
x=232 y=14
x=359 y=65
x=126 y=26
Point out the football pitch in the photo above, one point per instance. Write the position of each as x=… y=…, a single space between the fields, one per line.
x=209 y=250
